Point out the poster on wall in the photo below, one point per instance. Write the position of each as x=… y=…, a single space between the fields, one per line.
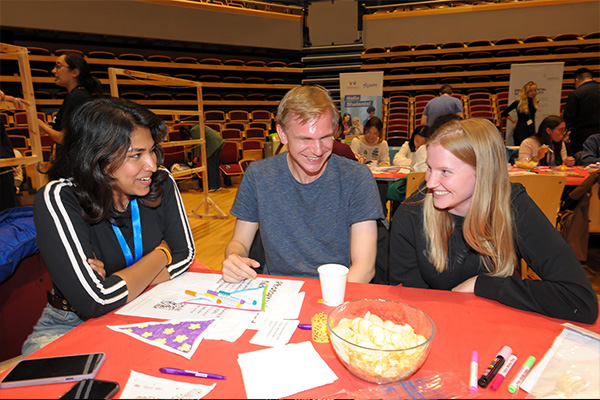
x=361 y=95
x=548 y=78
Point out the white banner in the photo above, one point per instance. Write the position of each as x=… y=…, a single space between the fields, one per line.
x=359 y=91
x=548 y=77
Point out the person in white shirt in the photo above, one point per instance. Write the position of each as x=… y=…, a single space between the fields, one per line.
x=406 y=156
x=370 y=146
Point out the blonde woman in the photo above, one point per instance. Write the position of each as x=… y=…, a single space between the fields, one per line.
x=467 y=229
x=526 y=107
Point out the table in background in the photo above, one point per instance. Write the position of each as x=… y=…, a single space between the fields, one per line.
x=463 y=322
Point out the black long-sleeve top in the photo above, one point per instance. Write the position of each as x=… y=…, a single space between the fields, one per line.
x=66 y=241
x=522 y=129
x=564 y=292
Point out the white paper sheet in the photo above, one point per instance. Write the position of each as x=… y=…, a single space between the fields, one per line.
x=275 y=332
x=165 y=301
x=141 y=386
x=283 y=371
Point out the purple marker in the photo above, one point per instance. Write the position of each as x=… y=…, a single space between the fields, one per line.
x=175 y=371
x=305 y=326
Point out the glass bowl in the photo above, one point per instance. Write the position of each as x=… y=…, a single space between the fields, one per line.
x=526 y=163
x=371 y=353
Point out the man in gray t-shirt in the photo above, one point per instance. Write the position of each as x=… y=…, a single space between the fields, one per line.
x=312 y=207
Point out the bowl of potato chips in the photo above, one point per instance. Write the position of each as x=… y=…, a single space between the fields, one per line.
x=380 y=341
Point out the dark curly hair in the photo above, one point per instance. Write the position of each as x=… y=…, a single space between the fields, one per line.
x=96 y=144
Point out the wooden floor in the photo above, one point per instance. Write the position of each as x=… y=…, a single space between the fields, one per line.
x=211 y=235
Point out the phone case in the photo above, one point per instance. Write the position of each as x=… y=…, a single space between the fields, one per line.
x=7 y=381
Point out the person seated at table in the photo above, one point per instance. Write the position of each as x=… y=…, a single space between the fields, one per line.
x=340 y=148
x=312 y=207
x=547 y=147
x=116 y=226
x=370 y=147
x=591 y=150
x=405 y=157
x=467 y=232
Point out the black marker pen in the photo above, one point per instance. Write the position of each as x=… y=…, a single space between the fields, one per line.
x=494 y=366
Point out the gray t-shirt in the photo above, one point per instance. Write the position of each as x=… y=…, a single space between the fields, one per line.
x=444 y=104
x=305 y=225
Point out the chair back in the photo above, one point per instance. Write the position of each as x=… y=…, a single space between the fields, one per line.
x=545 y=191
x=229 y=154
x=231 y=134
x=252 y=149
x=594 y=212
x=413 y=180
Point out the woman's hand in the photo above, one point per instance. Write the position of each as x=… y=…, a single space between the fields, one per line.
x=542 y=151
x=569 y=161
x=467 y=286
x=360 y=159
x=18 y=102
x=97 y=266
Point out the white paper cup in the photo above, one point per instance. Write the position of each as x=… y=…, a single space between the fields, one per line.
x=333 y=283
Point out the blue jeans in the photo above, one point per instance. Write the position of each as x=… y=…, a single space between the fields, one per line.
x=52 y=324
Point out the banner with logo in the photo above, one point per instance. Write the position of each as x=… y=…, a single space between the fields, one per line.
x=548 y=77
x=361 y=96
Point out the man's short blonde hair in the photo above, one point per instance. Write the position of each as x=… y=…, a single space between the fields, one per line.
x=306 y=104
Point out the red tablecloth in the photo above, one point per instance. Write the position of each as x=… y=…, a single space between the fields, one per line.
x=463 y=322
x=575 y=175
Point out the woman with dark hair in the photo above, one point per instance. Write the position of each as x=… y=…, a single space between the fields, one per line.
x=405 y=157
x=347 y=125
x=73 y=73
x=370 y=146
x=116 y=226
x=547 y=147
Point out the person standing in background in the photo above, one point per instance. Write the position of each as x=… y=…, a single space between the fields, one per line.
x=73 y=73
x=214 y=146
x=582 y=111
x=526 y=106
x=441 y=105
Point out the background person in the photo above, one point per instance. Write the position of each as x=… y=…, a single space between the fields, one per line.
x=581 y=111
x=116 y=226
x=526 y=106
x=547 y=147
x=468 y=232
x=370 y=147
x=591 y=150
x=73 y=73
x=8 y=194
x=214 y=146
x=445 y=103
x=405 y=157
x=312 y=207
x=340 y=148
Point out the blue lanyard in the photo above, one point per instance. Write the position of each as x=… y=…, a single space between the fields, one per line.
x=137 y=236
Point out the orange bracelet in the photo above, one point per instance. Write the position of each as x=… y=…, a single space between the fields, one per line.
x=167 y=253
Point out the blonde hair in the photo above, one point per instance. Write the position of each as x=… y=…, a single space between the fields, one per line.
x=307 y=104
x=488 y=224
x=523 y=106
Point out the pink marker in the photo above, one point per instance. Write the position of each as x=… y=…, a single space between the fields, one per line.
x=503 y=372
x=474 y=366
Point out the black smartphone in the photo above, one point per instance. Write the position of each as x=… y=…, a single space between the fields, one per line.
x=41 y=371
x=92 y=389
